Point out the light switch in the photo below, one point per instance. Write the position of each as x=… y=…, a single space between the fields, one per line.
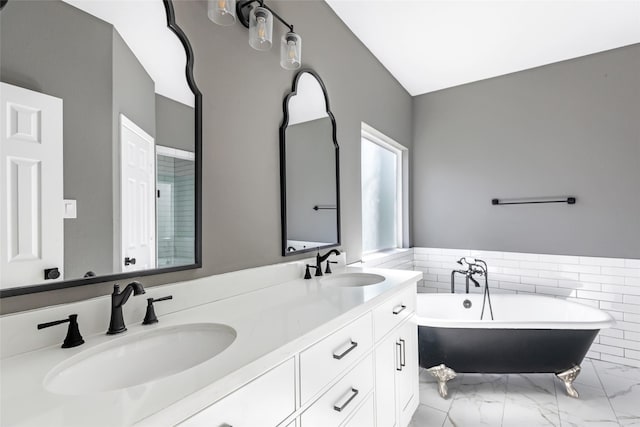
x=70 y=209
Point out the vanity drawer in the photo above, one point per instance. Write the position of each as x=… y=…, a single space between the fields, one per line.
x=364 y=416
x=392 y=312
x=336 y=405
x=265 y=401
x=325 y=360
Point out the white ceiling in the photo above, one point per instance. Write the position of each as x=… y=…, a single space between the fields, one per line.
x=429 y=45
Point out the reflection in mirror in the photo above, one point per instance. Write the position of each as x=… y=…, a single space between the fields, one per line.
x=99 y=156
x=309 y=168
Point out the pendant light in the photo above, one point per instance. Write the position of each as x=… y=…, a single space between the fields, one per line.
x=258 y=18
x=222 y=12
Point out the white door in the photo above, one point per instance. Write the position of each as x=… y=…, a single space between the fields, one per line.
x=31 y=191
x=137 y=193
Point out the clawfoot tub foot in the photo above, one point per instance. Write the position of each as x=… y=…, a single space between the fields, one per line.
x=567 y=378
x=442 y=374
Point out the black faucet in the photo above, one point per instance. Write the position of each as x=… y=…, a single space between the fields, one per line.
x=321 y=258
x=118 y=299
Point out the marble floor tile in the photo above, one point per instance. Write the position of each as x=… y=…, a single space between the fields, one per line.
x=531 y=401
x=474 y=412
x=427 y=416
x=614 y=369
x=479 y=401
x=609 y=396
x=624 y=396
x=592 y=408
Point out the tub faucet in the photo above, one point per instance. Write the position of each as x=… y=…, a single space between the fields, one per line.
x=479 y=267
x=474 y=266
x=118 y=299
x=321 y=258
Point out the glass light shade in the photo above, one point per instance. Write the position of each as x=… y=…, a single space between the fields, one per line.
x=291 y=51
x=260 y=28
x=222 y=12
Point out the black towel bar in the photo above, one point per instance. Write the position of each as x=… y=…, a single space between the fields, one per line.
x=568 y=200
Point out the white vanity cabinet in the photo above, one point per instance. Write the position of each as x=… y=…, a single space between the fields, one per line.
x=362 y=374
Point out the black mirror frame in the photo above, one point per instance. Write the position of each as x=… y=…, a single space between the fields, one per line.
x=171 y=24
x=283 y=165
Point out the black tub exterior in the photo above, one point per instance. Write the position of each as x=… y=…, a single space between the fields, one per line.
x=503 y=351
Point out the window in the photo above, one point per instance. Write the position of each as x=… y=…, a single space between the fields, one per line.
x=383 y=174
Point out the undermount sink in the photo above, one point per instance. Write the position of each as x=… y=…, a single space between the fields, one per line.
x=139 y=358
x=353 y=279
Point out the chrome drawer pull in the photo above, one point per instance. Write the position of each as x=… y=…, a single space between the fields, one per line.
x=339 y=407
x=399 y=356
x=352 y=345
x=403 y=354
x=400 y=309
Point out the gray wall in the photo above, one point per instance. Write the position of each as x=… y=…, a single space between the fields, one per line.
x=174 y=124
x=242 y=110
x=57 y=36
x=570 y=128
x=311 y=180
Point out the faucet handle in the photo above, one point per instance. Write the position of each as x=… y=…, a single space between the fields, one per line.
x=150 y=317
x=307 y=273
x=328 y=269
x=73 y=338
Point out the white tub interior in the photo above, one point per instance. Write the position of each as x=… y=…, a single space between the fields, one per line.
x=510 y=312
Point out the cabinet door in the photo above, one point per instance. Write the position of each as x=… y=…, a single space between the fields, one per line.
x=407 y=377
x=387 y=356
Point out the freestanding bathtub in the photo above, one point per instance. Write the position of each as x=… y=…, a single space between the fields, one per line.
x=530 y=334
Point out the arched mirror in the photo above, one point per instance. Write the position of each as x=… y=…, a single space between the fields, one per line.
x=309 y=168
x=100 y=169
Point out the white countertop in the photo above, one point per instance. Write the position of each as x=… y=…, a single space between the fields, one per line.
x=272 y=324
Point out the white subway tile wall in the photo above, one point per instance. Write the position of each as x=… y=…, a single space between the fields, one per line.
x=611 y=284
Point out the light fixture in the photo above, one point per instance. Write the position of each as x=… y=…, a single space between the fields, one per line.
x=260 y=28
x=222 y=12
x=258 y=18
x=290 y=51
